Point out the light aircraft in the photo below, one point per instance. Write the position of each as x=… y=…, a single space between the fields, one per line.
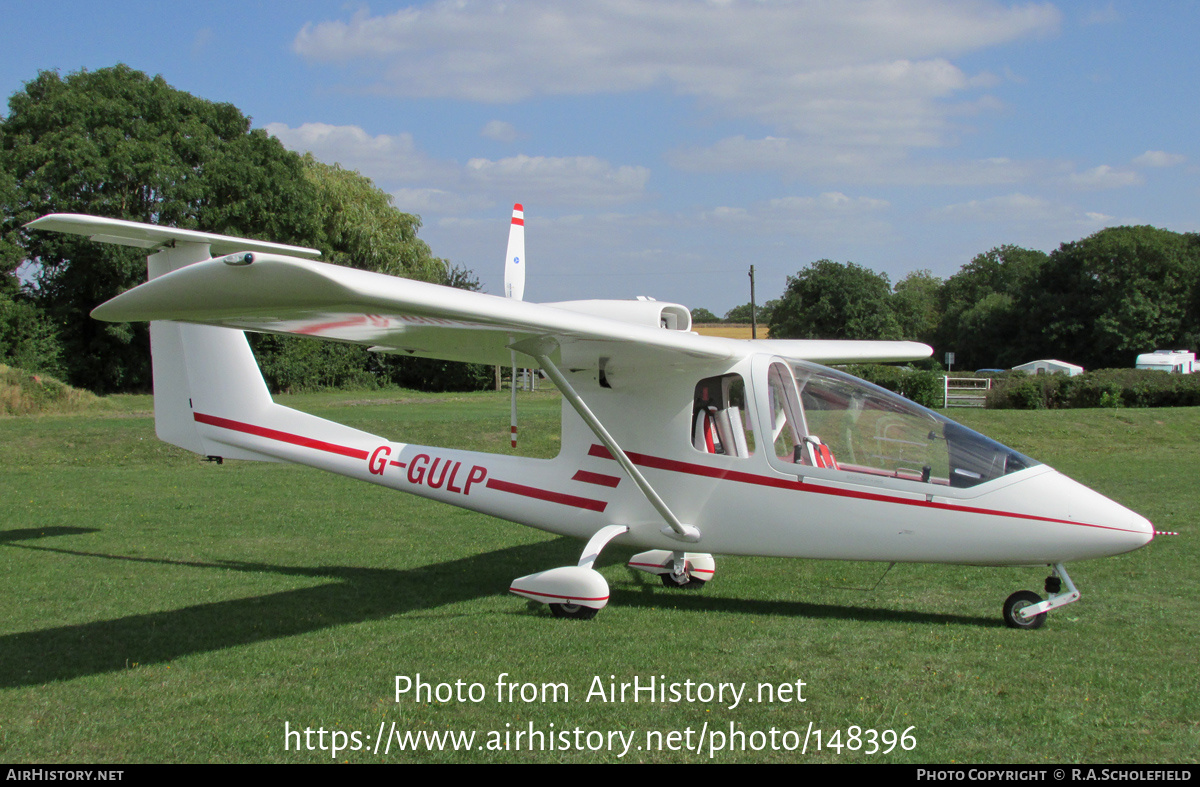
x=671 y=441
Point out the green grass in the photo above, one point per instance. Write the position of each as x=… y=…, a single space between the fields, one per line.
x=158 y=608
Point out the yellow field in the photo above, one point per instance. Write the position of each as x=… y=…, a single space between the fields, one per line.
x=729 y=330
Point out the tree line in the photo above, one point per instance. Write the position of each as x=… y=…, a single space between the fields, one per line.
x=120 y=144
x=1096 y=302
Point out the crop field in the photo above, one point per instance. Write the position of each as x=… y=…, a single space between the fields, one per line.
x=158 y=608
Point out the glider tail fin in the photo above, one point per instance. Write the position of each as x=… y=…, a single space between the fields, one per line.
x=201 y=373
x=209 y=394
x=200 y=369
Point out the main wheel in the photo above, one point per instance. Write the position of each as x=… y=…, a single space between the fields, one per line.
x=693 y=583
x=574 y=611
x=1018 y=601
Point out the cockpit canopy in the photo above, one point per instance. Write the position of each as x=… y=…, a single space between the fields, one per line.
x=827 y=418
x=821 y=418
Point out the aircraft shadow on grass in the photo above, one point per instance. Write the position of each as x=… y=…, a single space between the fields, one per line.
x=354 y=595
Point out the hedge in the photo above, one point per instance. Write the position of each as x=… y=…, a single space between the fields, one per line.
x=1101 y=388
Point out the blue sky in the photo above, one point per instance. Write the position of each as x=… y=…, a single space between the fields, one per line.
x=661 y=148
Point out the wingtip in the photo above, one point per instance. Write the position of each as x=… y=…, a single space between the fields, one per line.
x=518 y=206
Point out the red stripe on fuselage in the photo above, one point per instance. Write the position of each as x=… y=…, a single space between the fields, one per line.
x=547 y=495
x=283 y=437
x=676 y=466
x=599 y=479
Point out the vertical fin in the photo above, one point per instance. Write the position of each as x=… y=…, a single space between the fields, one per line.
x=514 y=262
x=199 y=368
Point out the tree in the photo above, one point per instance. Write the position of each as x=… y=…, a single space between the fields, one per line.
x=294 y=364
x=1101 y=301
x=27 y=339
x=741 y=314
x=358 y=226
x=984 y=320
x=120 y=144
x=432 y=374
x=832 y=300
x=701 y=315
x=11 y=254
x=916 y=302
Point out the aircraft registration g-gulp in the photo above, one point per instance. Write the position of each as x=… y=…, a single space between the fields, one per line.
x=679 y=444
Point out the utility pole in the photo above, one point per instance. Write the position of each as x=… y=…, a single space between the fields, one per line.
x=753 y=319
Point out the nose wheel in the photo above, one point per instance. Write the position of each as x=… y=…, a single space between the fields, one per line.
x=1027 y=610
x=1015 y=606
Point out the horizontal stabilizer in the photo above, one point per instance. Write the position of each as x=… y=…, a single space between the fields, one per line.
x=153 y=236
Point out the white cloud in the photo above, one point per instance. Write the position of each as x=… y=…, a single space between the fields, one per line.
x=420 y=183
x=384 y=158
x=852 y=163
x=499 y=131
x=1159 y=158
x=829 y=201
x=563 y=180
x=439 y=201
x=831 y=214
x=1104 y=177
x=877 y=69
x=1022 y=209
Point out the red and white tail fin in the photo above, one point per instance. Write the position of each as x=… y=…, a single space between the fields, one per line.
x=514 y=287
x=514 y=262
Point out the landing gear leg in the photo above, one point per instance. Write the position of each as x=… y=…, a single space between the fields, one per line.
x=578 y=591
x=686 y=570
x=681 y=576
x=1026 y=609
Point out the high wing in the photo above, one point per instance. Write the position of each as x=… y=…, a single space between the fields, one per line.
x=278 y=294
x=255 y=288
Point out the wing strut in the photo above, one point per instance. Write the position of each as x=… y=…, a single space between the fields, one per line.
x=675 y=529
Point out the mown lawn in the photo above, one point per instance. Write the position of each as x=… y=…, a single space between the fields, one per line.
x=159 y=608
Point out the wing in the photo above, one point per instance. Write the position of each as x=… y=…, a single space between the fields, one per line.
x=267 y=287
x=278 y=294
x=830 y=351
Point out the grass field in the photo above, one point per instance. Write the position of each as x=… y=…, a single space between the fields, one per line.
x=159 y=608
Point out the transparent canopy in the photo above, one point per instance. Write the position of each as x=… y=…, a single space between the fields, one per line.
x=824 y=418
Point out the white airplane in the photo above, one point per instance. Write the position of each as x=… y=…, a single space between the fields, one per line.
x=671 y=441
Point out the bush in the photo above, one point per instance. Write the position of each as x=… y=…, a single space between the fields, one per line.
x=24 y=393
x=293 y=365
x=28 y=339
x=923 y=387
x=1101 y=388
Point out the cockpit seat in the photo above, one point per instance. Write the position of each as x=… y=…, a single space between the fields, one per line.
x=817 y=454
